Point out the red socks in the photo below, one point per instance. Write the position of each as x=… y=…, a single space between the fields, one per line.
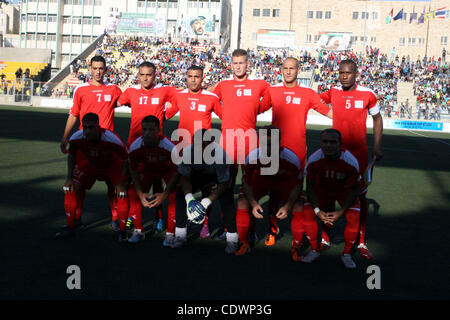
x=122 y=212
x=311 y=227
x=113 y=202
x=243 y=224
x=70 y=206
x=171 y=212
x=363 y=221
x=351 y=229
x=80 y=200
x=135 y=208
x=297 y=228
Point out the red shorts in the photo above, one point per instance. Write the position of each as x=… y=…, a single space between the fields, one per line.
x=363 y=161
x=238 y=149
x=146 y=180
x=86 y=174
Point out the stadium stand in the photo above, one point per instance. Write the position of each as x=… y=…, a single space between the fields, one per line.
x=405 y=88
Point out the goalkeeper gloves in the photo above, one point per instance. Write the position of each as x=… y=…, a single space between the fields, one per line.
x=196 y=211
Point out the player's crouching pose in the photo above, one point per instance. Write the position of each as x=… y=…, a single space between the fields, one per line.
x=257 y=183
x=104 y=157
x=332 y=174
x=150 y=159
x=197 y=172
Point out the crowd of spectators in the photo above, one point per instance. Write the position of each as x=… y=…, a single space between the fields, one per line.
x=432 y=88
x=375 y=71
x=378 y=71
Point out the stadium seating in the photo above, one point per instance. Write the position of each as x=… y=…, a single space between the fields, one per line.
x=9 y=68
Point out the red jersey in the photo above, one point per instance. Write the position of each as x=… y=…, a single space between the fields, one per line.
x=101 y=153
x=290 y=107
x=154 y=161
x=194 y=107
x=144 y=103
x=350 y=110
x=240 y=102
x=333 y=177
x=288 y=174
x=97 y=99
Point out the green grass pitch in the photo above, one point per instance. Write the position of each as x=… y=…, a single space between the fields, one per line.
x=407 y=231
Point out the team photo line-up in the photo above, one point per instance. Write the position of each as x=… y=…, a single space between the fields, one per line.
x=200 y=159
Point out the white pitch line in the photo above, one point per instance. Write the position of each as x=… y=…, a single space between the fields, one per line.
x=422 y=135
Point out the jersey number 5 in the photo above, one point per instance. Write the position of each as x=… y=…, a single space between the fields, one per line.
x=348 y=104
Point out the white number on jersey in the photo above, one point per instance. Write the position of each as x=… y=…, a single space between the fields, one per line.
x=329 y=174
x=348 y=104
x=288 y=99
x=143 y=99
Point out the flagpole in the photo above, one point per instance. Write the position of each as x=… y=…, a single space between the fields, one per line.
x=428 y=29
x=365 y=23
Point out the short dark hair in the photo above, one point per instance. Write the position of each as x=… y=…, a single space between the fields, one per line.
x=98 y=59
x=349 y=61
x=147 y=64
x=194 y=67
x=297 y=63
x=331 y=130
x=151 y=119
x=91 y=117
x=239 y=53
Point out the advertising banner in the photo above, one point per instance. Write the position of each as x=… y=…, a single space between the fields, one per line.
x=334 y=41
x=275 y=38
x=142 y=23
x=199 y=25
x=413 y=125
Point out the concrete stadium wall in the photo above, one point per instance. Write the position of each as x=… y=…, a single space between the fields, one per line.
x=64 y=72
x=26 y=55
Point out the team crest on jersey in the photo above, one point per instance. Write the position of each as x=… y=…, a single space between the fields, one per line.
x=359 y=104
x=248 y=92
x=94 y=152
x=202 y=107
x=151 y=158
x=296 y=100
x=155 y=100
x=340 y=175
x=107 y=97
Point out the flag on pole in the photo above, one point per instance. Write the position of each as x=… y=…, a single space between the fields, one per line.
x=422 y=17
x=429 y=15
x=399 y=15
x=412 y=15
x=389 y=17
x=440 y=13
